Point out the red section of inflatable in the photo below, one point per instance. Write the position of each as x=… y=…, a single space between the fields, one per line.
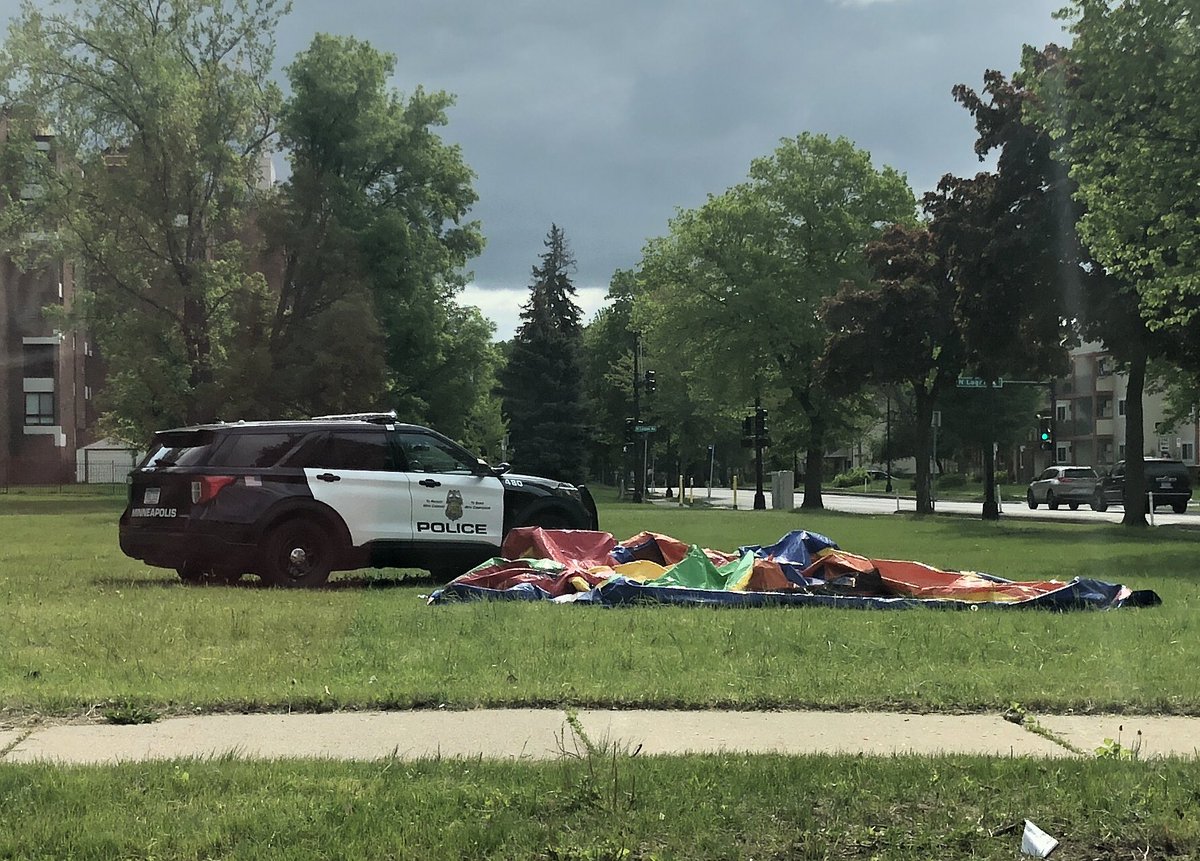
x=574 y=548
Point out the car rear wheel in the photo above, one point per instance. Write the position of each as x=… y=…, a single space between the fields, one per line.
x=1074 y=506
x=1179 y=507
x=297 y=553
x=1030 y=500
x=1051 y=502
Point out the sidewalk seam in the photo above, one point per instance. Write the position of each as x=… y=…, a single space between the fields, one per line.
x=1031 y=724
x=16 y=742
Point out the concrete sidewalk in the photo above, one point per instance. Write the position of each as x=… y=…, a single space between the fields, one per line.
x=538 y=734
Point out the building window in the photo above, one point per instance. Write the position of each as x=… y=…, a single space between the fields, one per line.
x=1104 y=366
x=1121 y=451
x=1061 y=412
x=39 y=360
x=1121 y=407
x=39 y=408
x=1187 y=452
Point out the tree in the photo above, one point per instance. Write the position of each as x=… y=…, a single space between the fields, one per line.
x=1124 y=106
x=735 y=289
x=541 y=384
x=162 y=111
x=1101 y=305
x=373 y=217
x=898 y=331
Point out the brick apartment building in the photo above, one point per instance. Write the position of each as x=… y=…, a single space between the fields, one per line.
x=47 y=375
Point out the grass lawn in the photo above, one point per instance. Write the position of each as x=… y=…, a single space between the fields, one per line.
x=698 y=807
x=83 y=627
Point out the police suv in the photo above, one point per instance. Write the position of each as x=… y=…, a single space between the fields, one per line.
x=291 y=501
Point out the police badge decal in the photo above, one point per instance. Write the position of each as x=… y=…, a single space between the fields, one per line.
x=454 y=504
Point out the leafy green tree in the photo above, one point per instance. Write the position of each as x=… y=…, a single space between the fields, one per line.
x=160 y=112
x=541 y=383
x=373 y=219
x=735 y=289
x=1039 y=201
x=899 y=331
x=1124 y=106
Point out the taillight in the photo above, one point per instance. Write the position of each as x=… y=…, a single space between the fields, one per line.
x=208 y=486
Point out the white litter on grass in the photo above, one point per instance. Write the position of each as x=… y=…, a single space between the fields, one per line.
x=1036 y=842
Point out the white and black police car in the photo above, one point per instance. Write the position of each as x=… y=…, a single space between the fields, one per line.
x=292 y=501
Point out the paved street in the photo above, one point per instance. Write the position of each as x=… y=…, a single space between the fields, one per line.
x=861 y=504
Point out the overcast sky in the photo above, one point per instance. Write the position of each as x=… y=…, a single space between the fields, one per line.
x=605 y=116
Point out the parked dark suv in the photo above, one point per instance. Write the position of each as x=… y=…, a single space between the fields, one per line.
x=1167 y=481
x=291 y=501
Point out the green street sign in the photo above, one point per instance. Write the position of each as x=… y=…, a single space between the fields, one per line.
x=976 y=383
x=646 y=428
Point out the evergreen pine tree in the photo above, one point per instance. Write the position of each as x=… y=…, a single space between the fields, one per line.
x=542 y=384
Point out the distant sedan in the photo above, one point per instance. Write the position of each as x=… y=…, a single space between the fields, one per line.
x=1058 y=484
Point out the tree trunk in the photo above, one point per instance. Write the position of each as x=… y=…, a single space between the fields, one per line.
x=1135 y=442
x=814 y=461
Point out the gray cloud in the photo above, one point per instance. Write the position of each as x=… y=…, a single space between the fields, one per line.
x=604 y=117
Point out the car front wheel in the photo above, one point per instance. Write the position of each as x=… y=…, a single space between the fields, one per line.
x=1030 y=500
x=1179 y=507
x=1098 y=503
x=1051 y=502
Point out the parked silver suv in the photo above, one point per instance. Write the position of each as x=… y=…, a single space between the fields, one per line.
x=1073 y=485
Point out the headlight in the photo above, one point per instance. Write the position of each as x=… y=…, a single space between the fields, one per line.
x=564 y=489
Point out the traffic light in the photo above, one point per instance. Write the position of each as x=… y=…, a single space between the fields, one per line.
x=651 y=383
x=748 y=432
x=760 y=422
x=630 y=424
x=1046 y=433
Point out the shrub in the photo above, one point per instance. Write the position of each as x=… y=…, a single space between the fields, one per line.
x=850 y=478
x=954 y=479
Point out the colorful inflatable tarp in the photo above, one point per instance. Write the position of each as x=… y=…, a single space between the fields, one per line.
x=801 y=568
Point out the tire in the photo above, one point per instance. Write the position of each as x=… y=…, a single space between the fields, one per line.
x=201 y=575
x=1030 y=500
x=548 y=520
x=297 y=554
x=1098 y=503
x=1074 y=506
x=1051 y=502
x=192 y=575
x=1179 y=507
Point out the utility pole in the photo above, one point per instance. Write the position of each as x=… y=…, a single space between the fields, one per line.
x=639 y=483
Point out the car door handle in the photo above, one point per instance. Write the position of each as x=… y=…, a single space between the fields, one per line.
x=429 y=482
x=329 y=476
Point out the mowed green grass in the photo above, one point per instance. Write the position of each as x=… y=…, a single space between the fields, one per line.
x=700 y=807
x=81 y=626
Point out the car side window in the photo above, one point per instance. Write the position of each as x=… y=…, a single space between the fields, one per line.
x=425 y=453
x=1050 y=473
x=348 y=449
x=256 y=450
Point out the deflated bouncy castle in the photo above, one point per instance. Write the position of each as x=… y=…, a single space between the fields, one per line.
x=800 y=569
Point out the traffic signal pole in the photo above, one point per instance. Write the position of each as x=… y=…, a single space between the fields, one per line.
x=760 y=499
